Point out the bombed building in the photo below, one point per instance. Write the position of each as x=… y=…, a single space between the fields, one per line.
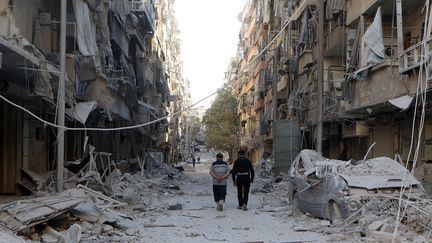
x=117 y=75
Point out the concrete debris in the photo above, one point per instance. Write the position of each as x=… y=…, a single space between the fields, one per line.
x=52 y=236
x=176 y=206
x=374 y=221
x=23 y=214
x=7 y=236
x=383 y=237
x=107 y=228
x=131 y=231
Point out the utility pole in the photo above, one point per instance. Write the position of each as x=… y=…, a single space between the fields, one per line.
x=61 y=99
x=320 y=74
x=274 y=99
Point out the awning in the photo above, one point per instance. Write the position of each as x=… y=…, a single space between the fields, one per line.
x=402 y=102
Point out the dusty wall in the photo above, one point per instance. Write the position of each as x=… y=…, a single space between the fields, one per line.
x=386 y=137
x=355 y=8
x=380 y=85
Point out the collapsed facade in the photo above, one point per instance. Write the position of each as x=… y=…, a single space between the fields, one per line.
x=120 y=56
x=374 y=79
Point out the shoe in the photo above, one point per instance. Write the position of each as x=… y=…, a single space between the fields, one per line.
x=244 y=207
x=239 y=207
x=220 y=205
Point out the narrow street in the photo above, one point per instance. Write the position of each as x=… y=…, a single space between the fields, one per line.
x=324 y=104
x=199 y=221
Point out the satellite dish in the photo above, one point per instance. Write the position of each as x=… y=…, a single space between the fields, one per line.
x=240 y=16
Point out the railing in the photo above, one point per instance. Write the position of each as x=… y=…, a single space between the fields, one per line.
x=413 y=57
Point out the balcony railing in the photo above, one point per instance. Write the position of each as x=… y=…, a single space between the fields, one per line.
x=413 y=57
x=145 y=6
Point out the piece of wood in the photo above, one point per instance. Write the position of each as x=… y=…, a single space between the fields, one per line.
x=24 y=214
x=210 y=239
x=158 y=225
x=192 y=216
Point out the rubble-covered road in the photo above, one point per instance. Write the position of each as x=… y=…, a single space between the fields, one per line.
x=199 y=221
x=171 y=206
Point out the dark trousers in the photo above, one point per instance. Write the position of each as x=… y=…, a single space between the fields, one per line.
x=219 y=192
x=243 y=185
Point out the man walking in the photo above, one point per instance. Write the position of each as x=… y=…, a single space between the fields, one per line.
x=220 y=171
x=243 y=175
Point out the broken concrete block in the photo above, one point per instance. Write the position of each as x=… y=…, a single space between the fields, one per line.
x=73 y=234
x=139 y=208
x=387 y=228
x=375 y=226
x=131 y=232
x=52 y=235
x=383 y=237
x=35 y=237
x=325 y=223
x=107 y=228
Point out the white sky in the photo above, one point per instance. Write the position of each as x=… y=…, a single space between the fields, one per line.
x=209 y=31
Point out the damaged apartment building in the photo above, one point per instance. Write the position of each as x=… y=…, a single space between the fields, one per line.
x=374 y=79
x=117 y=76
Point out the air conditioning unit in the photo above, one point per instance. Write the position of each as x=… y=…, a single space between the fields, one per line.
x=390 y=47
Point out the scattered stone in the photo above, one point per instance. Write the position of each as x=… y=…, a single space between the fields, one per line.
x=73 y=234
x=35 y=236
x=325 y=223
x=193 y=234
x=107 y=228
x=176 y=206
x=240 y=228
x=174 y=187
x=139 y=208
x=131 y=232
x=375 y=226
x=387 y=228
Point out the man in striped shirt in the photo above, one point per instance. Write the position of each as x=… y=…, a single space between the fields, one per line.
x=220 y=171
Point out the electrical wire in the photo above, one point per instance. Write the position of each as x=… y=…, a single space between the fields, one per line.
x=420 y=94
x=105 y=129
x=159 y=119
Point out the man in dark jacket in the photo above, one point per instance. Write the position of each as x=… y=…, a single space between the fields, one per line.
x=243 y=175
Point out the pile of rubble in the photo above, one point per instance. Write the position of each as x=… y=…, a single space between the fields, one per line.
x=93 y=206
x=264 y=178
x=375 y=221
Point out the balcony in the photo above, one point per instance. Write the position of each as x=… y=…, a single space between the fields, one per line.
x=335 y=42
x=282 y=84
x=144 y=7
x=301 y=8
x=260 y=66
x=305 y=60
x=259 y=104
x=412 y=57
